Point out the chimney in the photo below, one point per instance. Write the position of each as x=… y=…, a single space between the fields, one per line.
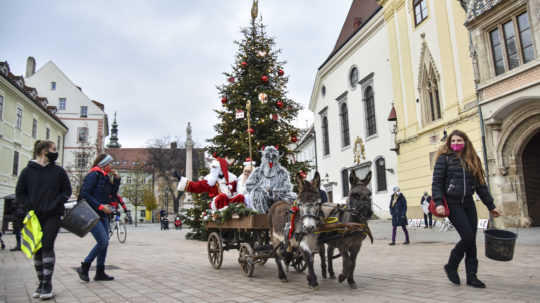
x=30 y=67
x=173 y=145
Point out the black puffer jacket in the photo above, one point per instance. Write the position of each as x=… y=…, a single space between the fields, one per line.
x=457 y=183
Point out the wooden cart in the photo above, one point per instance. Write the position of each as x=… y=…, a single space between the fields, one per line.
x=250 y=235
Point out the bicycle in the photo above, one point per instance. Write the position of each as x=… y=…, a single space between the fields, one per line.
x=119 y=226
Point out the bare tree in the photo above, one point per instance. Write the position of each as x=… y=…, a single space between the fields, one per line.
x=84 y=156
x=135 y=187
x=165 y=157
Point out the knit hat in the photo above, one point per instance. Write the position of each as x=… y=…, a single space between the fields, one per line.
x=107 y=160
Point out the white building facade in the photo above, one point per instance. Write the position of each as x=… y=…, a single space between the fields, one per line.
x=85 y=118
x=351 y=100
x=306 y=151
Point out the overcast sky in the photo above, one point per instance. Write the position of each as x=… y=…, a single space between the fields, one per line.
x=158 y=62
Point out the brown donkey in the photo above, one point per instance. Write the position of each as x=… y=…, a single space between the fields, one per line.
x=358 y=210
x=306 y=222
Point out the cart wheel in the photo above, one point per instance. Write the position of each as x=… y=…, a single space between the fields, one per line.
x=215 y=250
x=299 y=264
x=245 y=258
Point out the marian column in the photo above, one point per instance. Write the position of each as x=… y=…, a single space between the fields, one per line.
x=188 y=200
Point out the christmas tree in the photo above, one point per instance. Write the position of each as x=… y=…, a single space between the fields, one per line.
x=257 y=78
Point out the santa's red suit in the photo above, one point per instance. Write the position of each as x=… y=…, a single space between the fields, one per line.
x=221 y=190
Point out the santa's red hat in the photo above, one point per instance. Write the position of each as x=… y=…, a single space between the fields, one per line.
x=224 y=165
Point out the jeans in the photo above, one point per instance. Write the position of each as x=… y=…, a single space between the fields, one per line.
x=394 y=228
x=465 y=220
x=430 y=219
x=101 y=234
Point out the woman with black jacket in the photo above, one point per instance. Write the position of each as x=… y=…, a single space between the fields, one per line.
x=44 y=187
x=398 y=210
x=457 y=175
x=97 y=188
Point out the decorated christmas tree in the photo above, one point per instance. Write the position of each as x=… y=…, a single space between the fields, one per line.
x=254 y=103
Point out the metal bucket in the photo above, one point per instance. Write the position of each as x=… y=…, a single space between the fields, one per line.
x=80 y=219
x=500 y=244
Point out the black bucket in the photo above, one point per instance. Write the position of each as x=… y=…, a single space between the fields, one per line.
x=500 y=244
x=80 y=219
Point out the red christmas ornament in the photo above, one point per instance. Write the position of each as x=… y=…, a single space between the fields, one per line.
x=281 y=72
x=244 y=63
x=264 y=78
x=231 y=79
x=302 y=174
x=224 y=100
x=251 y=131
x=274 y=117
x=279 y=104
x=294 y=139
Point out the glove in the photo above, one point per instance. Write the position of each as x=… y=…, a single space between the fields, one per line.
x=177 y=175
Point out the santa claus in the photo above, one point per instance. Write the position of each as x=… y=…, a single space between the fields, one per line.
x=220 y=184
x=249 y=166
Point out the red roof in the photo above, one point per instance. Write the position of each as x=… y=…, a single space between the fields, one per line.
x=359 y=13
x=128 y=158
x=393 y=115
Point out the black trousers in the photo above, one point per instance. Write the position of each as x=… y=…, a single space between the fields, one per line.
x=44 y=259
x=430 y=219
x=465 y=220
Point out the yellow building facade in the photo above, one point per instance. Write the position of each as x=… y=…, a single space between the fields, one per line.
x=433 y=85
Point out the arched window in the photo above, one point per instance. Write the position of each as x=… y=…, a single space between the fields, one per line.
x=344 y=117
x=353 y=76
x=430 y=94
x=381 y=174
x=326 y=142
x=371 y=122
x=420 y=11
x=345 y=182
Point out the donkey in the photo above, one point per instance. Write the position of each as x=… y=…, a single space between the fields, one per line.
x=306 y=221
x=358 y=210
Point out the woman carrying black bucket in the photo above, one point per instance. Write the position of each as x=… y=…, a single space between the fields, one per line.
x=44 y=187
x=97 y=187
x=457 y=175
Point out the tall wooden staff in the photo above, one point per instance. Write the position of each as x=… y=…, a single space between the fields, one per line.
x=248 y=109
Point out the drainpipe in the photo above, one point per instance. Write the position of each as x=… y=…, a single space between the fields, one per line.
x=482 y=124
x=315 y=144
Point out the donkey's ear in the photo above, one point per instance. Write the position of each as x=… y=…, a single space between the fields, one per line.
x=367 y=179
x=300 y=183
x=316 y=182
x=353 y=179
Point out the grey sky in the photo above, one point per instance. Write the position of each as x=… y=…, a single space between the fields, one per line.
x=157 y=62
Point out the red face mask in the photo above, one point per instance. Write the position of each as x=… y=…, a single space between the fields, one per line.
x=457 y=147
x=107 y=169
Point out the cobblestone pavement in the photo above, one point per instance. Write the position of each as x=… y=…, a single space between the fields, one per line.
x=161 y=266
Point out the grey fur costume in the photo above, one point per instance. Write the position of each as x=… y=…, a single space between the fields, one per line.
x=269 y=182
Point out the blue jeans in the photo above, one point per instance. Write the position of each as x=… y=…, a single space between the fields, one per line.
x=101 y=234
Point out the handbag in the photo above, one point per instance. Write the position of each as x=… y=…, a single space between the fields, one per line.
x=433 y=206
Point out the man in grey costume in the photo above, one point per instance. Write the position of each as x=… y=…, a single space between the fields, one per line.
x=269 y=182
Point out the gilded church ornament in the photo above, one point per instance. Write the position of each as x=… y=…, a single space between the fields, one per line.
x=255 y=9
x=359 y=150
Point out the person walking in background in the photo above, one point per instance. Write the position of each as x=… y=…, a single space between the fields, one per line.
x=19 y=214
x=457 y=175
x=424 y=202
x=98 y=186
x=44 y=187
x=398 y=210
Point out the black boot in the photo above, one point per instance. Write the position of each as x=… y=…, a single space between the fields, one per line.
x=452 y=274
x=46 y=291
x=83 y=271
x=101 y=275
x=16 y=248
x=473 y=281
